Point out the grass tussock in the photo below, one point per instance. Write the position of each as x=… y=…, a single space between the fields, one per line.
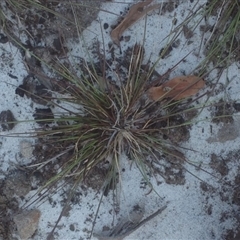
x=111 y=118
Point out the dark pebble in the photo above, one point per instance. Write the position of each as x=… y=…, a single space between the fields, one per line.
x=105 y=25
x=3 y=38
x=236 y=106
x=7 y=120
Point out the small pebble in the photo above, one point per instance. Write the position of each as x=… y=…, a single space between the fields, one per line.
x=27 y=223
x=26 y=149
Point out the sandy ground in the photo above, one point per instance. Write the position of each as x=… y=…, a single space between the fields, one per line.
x=205 y=206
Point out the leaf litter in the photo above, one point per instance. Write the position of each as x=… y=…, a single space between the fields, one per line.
x=177 y=88
x=135 y=12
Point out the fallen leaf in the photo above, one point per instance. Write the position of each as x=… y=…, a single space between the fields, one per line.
x=137 y=11
x=177 y=88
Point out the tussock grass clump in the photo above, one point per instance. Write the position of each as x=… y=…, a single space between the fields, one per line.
x=110 y=118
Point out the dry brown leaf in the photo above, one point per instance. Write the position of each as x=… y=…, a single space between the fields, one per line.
x=137 y=11
x=177 y=88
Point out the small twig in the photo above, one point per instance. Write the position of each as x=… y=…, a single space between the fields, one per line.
x=146 y=220
x=132 y=229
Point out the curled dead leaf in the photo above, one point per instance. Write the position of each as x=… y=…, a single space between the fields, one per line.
x=177 y=88
x=137 y=11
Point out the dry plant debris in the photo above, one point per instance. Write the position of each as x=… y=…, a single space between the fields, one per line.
x=127 y=226
x=177 y=88
x=136 y=12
